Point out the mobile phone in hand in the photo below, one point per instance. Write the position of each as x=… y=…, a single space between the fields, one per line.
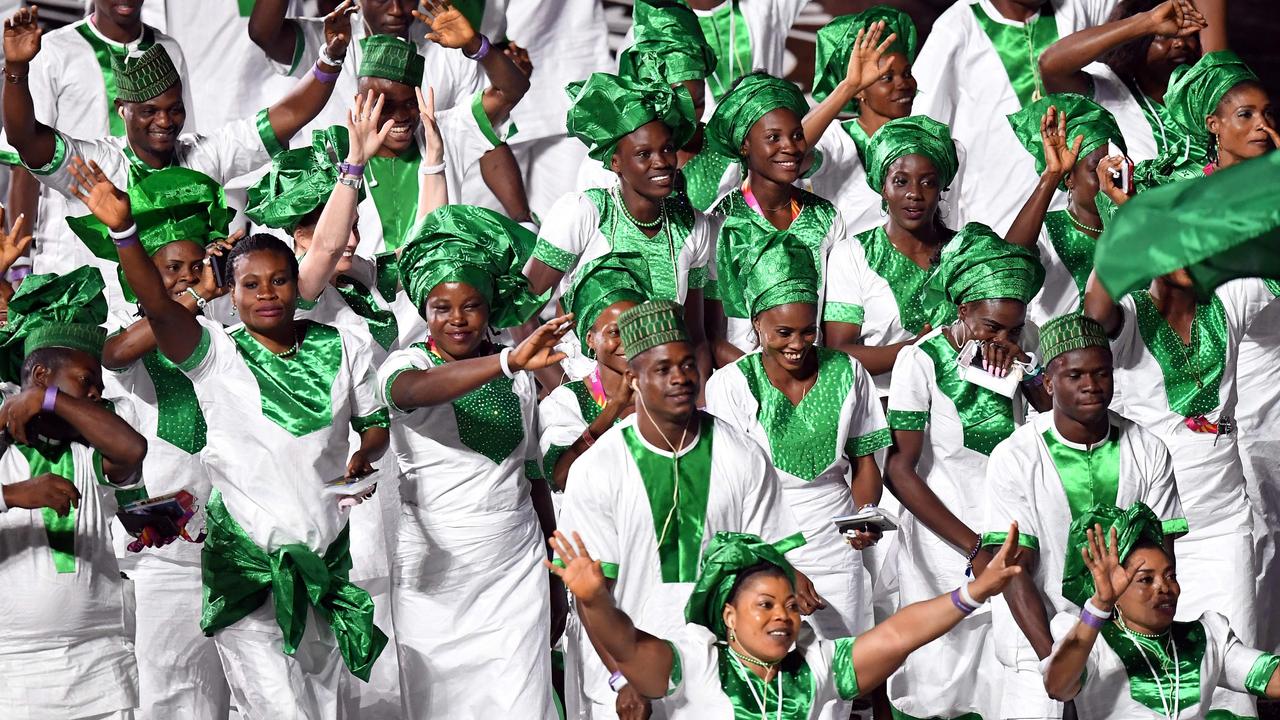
x=221 y=270
x=1121 y=177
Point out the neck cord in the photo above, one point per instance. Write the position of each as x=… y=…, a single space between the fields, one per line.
x=1176 y=699
x=675 y=466
x=761 y=701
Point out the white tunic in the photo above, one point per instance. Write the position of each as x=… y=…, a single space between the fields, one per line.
x=842 y=179
x=1141 y=141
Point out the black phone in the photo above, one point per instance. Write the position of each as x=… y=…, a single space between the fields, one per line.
x=221 y=270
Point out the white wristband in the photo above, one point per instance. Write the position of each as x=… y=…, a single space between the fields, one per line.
x=123 y=234
x=1093 y=610
x=425 y=169
x=502 y=360
x=965 y=596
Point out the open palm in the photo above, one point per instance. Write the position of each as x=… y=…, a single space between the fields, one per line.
x=22 y=36
x=1110 y=577
x=581 y=574
x=449 y=27
x=866 y=61
x=92 y=187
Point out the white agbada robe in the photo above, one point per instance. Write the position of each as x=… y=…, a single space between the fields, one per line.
x=1227 y=664
x=842 y=179
x=1220 y=544
x=66 y=634
x=1025 y=484
x=964 y=84
x=613 y=514
x=467 y=567
x=840 y=409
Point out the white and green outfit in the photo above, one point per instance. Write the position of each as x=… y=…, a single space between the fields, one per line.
x=954 y=676
x=708 y=682
x=1128 y=676
x=746 y=35
x=563 y=415
x=1066 y=252
x=976 y=68
x=841 y=177
x=812 y=446
x=1044 y=482
x=66 y=646
x=622 y=498
x=470 y=596
x=1143 y=120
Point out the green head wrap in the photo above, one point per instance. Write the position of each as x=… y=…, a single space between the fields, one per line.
x=64 y=311
x=669 y=46
x=142 y=77
x=727 y=555
x=752 y=97
x=1070 y=332
x=1084 y=117
x=911 y=135
x=609 y=279
x=1195 y=91
x=391 y=58
x=477 y=246
x=978 y=264
x=1134 y=525
x=299 y=181
x=648 y=325
x=607 y=108
x=835 y=45
x=776 y=269
x=1218 y=228
x=168 y=205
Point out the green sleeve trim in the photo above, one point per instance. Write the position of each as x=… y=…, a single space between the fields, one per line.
x=1260 y=674
x=907 y=419
x=378 y=418
x=844 y=313
x=550 y=458
x=1030 y=542
x=816 y=165
x=305 y=304
x=132 y=495
x=866 y=444
x=843 y=670
x=677 y=670
x=299 y=45
x=554 y=257
x=198 y=354
x=55 y=163
x=698 y=278
x=483 y=121
x=610 y=570
x=789 y=543
x=1176 y=526
x=268 y=135
x=386 y=390
x=10 y=158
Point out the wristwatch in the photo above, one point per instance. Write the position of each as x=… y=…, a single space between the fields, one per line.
x=352 y=181
x=200 y=302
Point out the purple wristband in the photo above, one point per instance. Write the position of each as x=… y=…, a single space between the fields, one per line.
x=351 y=169
x=485 y=46
x=327 y=78
x=1092 y=620
x=126 y=242
x=960 y=604
x=50 y=398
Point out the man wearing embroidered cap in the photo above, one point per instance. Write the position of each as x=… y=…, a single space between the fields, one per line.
x=64 y=648
x=1052 y=471
x=654 y=489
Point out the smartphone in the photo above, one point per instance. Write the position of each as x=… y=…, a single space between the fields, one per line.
x=221 y=270
x=866 y=521
x=1123 y=177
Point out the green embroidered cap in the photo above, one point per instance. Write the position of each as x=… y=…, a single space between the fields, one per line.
x=477 y=246
x=611 y=278
x=1217 y=228
x=728 y=554
x=654 y=323
x=835 y=45
x=391 y=58
x=299 y=181
x=977 y=264
x=142 y=77
x=752 y=97
x=1070 y=332
x=607 y=108
x=911 y=135
x=669 y=46
x=776 y=269
x=48 y=310
x=1136 y=524
x=1084 y=117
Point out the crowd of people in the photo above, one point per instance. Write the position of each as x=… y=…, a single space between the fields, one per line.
x=426 y=361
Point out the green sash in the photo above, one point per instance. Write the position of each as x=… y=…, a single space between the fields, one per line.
x=1019 y=48
x=986 y=417
x=297 y=392
x=1192 y=373
x=103 y=50
x=59 y=529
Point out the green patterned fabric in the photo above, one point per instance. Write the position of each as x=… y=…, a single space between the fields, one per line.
x=491 y=420
x=1070 y=332
x=986 y=417
x=590 y=411
x=1084 y=118
x=977 y=264
x=1135 y=524
x=728 y=554
x=668 y=46
x=651 y=324
x=299 y=181
x=1019 y=48
x=296 y=392
x=661 y=252
x=1074 y=247
x=606 y=108
x=611 y=278
x=907 y=281
x=775 y=269
x=180 y=421
x=835 y=46
x=754 y=96
x=142 y=77
x=380 y=321
x=1090 y=478
x=912 y=135
x=391 y=58
x=1192 y=371
x=790 y=695
x=63 y=311
x=702 y=175
x=1144 y=688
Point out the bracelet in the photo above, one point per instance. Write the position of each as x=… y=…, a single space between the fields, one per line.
x=868 y=505
x=1092 y=620
x=13 y=79
x=431 y=169
x=502 y=360
x=123 y=234
x=200 y=302
x=50 y=398
x=960 y=603
x=484 y=49
x=617 y=681
x=966 y=597
x=351 y=169
x=331 y=62
x=968 y=559
x=587 y=437
x=328 y=78
x=352 y=181
x=1095 y=611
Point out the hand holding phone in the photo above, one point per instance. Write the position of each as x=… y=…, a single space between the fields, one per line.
x=1122 y=176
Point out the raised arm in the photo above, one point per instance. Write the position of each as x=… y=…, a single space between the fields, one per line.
x=866 y=64
x=1099 y=306
x=271 y=31
x=33 y=140
x=1059 y=158
x=433 y=188
x=121 y=447
x=451 y=29
x=310 y=95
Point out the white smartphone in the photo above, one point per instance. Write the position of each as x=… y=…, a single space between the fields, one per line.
x=1122 y=178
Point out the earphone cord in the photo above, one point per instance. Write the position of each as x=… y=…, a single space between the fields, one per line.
x=675 y=466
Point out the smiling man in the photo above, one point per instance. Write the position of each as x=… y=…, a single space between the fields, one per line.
x=1057 y=467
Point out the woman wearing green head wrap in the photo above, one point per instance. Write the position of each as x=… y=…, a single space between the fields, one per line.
x=743 y=653
x=880 y=304
x=466 y=418
x=814 y=411
x=1147 y=665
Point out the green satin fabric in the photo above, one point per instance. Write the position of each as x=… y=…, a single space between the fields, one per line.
x=725 y=30
x=912 y=135
x=51 y=310
x=660 y=251
x=802 y=438
x=702 y=176
x=986 y=417
x=846 y=675
x=1089 y=478
x=380 y=321
x=607 y=108
x=669 y=46
x=590 y=411
x=860 y=139
x=1085 y=119
x=834 y=46
x=1019 y=49
x=798 y=688
x=393 y=183
x=680 y=550
x=387 y=275
x=180 y=423
x=297 y=393
x=1259 y=676
x=977 y=264
x=238 y=577
x=59 y=529
x=774 y=268
x=1074 y=247
x=472 y=10
x=1208 y=355
x=103 y=51
x=600 y=283
x=1190 y=639
x=753 y=96
x=907 y=281
x=899 y=715
x=727 y=555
